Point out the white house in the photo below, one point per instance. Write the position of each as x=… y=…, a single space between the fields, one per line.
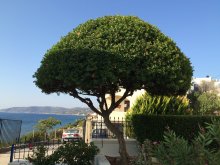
x=198 y=81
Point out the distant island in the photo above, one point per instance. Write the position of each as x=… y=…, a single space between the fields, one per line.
x=48 y=110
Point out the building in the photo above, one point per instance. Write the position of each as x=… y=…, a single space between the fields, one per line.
x=96 y=123
x=197 y=82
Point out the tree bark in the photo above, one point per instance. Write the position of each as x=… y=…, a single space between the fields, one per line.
x=122 y=145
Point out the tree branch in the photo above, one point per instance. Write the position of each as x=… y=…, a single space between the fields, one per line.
x=86 y=101
x=101 y=103
x=116 y=104
x=105 y=103
x=113 y=96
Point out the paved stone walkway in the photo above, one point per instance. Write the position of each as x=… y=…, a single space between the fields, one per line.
x=4 y=159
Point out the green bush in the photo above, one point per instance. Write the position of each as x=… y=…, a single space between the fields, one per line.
x=175 y=150
x=152 y=127
x=160 y=105
x=38 y=136
x=199 y=152
x=39 y=157
x=75 y=153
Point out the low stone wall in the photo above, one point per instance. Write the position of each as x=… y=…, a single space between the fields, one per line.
x=110 y=147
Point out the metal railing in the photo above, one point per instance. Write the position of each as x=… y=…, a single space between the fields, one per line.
x=26 y=149
x=100 y=130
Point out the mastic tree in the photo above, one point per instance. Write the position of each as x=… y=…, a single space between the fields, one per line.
x=102 y=56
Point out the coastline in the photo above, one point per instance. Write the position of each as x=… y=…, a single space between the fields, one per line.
x=48 y=110
x=44 y=113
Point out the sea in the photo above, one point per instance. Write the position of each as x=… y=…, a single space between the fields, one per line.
x=29 y=119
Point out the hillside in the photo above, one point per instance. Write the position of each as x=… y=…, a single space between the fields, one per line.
x=48 y=110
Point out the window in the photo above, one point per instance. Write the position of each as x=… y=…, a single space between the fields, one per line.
x=126 y=105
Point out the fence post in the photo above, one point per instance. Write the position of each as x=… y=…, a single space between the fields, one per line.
x=33 y=134
x=12 y=153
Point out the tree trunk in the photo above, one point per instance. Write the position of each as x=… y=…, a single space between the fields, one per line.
x=122 y=146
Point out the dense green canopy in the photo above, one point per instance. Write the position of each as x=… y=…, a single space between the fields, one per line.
x=103 y=55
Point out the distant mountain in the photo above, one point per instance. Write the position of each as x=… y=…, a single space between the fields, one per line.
x=48 y=110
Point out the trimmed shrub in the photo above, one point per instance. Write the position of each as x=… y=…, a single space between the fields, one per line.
x=39 y=157
x=153 y=127
x=75 y=153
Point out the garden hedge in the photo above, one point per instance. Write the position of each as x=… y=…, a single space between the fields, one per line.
x=153 y=127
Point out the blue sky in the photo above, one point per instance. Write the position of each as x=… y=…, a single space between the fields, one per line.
x=29 y=27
